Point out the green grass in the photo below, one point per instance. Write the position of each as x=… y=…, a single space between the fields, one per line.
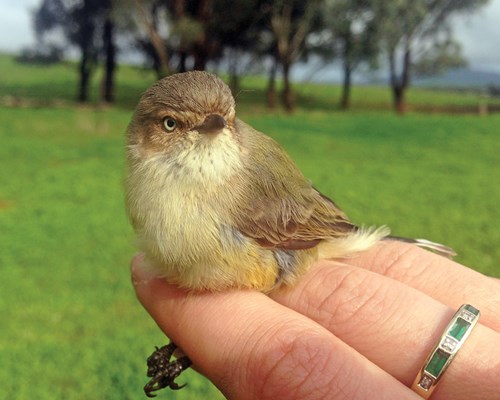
x=71 y=326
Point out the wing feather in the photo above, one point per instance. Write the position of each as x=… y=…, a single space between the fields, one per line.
x=283 y=209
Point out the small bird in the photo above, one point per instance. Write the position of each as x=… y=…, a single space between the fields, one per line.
x=217 y=204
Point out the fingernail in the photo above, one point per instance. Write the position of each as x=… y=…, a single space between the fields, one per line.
x=141 y=275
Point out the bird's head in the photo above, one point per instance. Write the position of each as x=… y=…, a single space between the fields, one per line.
x=186 y=125
x=182 y=111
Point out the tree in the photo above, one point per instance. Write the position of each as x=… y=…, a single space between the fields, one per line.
x=412 y=33
x=442 y=54
x=83 y=23
x=353 y=32
x=109 y=50
x=203 y=48
x=236 y=28
x=148 y=12
x=291 y=22
x=187 y=35
x=83 y=34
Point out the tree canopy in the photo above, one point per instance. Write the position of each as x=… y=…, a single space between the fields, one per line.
x=407 y=37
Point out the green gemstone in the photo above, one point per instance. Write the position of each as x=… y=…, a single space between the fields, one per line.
x=471 y=309
x=436 y=364
x=459 y=328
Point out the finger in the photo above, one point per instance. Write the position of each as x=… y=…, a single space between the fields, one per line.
x=254 y=348
x=394 y=326
x=444 y=280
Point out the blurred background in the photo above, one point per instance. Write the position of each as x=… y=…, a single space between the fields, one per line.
x=390 y=107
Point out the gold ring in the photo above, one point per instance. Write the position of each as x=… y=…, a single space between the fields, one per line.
x=455 y=334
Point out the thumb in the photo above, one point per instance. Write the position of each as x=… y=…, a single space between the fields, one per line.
x=140 y=274
x=143 y=280
x=156 y=295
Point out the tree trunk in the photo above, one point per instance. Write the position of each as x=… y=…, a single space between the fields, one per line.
x=108 y=87
x=398 y=99
x=271 y=87
x=234 y=83
x=182 y=61
x=201 y=49
x=234 y=77
x=84 y=69
x=401 y=83
x=150 y=23
x=158 y=44
x=157 y=66
x=345 y=99
x=85 y=42
x=200 y=55
x=288 y=96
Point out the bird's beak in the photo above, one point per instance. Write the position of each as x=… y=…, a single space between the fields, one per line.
x=213 y=123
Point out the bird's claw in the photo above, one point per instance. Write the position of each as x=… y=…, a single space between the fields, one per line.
x=163 y=371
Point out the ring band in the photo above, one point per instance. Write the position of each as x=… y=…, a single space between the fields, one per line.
x=455 y=334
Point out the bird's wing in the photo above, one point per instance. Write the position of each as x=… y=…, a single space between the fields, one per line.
x=283 y=209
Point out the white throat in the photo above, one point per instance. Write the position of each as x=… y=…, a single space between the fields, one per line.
x=210 y=160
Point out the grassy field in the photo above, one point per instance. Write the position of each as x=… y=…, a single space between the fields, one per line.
x=71 y=326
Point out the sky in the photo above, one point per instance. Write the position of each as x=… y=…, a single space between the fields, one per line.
x=479 y=33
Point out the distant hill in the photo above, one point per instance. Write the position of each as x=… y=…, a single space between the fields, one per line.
x=461 y=78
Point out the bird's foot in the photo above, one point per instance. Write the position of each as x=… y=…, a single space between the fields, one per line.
x=163 y=371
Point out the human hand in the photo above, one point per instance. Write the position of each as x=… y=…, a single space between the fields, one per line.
x=356 y=329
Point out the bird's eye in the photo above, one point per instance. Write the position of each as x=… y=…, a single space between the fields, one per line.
x=169 y=124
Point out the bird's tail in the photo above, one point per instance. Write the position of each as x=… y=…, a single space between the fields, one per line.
x=438 y=248
x=361 y=238
x=357 y=240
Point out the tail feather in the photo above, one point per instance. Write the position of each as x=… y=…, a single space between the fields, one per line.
x=362 y=238
x=358 y=240
x=438 y=248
